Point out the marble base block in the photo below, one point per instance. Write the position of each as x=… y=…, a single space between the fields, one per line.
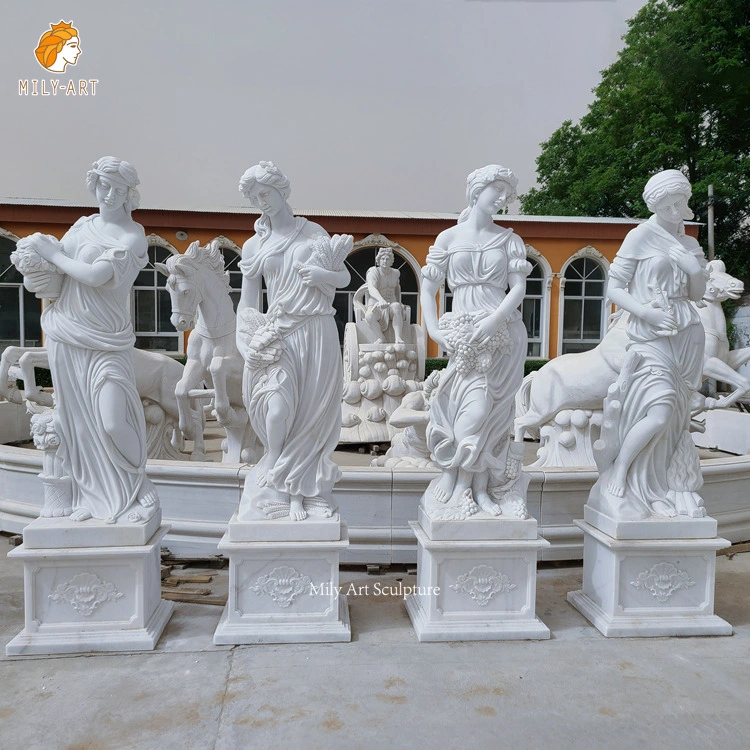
x=83 y=599
x=62 y=533
x=679 y=527
x=476 y=589
x=284 y=591
x=649 y=587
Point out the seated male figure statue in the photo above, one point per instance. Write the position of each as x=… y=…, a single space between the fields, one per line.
x=384 y=308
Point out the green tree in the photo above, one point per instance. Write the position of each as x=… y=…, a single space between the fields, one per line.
x=678 y=96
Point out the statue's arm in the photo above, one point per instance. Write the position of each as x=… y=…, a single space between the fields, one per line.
x=91 y=274
x=428 y=302
x=372 y=287
x=250 y=294
x=618 y=293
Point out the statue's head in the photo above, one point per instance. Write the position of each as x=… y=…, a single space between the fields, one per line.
x=384 y=258
x=262 y=183
x=58 y=47
x=500 y=186
x=113 y=181
x=667 y=194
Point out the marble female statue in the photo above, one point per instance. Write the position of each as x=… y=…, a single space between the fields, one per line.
x=647 y=462
x=292 y=380
x=89 y=339
x=472 y=410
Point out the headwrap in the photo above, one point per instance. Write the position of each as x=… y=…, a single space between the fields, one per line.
x=663 y=183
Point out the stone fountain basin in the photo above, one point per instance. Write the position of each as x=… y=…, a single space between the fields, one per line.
x=376 y=503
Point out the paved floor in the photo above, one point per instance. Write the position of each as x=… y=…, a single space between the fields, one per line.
x=578 y=690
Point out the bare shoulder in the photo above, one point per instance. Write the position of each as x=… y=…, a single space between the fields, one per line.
x=445 y=237
x=313 y=230
x=249 y=246
x=134 y=237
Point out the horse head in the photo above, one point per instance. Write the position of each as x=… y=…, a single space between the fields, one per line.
x=183 y=287
x=721 y=286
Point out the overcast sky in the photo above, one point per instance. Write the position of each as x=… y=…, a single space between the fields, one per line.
x=365 y=104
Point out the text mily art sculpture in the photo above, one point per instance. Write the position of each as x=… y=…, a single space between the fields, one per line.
x=473 y=521
x=649 y=547
x=108 y=545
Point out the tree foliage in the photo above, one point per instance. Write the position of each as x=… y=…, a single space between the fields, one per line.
x=678 y=96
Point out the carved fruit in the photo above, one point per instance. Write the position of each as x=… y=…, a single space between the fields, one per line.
x=351 y=393
x=394 y=385
x=371 y=389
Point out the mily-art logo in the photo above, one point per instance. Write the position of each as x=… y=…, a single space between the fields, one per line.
x=57 y=48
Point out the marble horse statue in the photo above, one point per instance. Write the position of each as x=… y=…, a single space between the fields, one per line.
x=199 y=289
x=156 y=377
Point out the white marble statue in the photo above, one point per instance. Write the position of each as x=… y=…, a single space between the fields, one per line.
x=199 y=290
x=719 y=361
x=647 y=462
x=383 y=356
x=384 y=313
x=471 y=413
x=562 y=401
x=89 y=338
x=292 y=380
x=409 y=447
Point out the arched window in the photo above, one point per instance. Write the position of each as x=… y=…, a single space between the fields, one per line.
x=358 y=262
x=531 y=309
x=232 y=265
x=152 y=307
x=583 y=305
x=20 y=310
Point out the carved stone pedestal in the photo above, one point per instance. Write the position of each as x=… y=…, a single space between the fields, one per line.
x=650 y=586
x=473 y=587
x=92 y=598
x=284 y=590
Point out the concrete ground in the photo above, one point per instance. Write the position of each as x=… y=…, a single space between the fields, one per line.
x=577 y=690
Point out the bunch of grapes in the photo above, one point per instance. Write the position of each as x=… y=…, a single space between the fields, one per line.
x=467 y=505
x=459 y=328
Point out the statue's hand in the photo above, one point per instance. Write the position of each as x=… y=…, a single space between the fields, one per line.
x=686 y=261
x=312 y=275
x=36 y=281
x=45 y=246
x=484 y=331
x=658 y=318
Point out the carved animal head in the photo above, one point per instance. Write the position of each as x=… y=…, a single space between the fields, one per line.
x=196 y=274
x=721 y=286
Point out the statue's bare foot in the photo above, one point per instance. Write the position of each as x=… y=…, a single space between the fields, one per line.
x=663 y=509
x=297 y=510
x=80 y=514
x=444 y=488
x=487 y=504
x=147 y=496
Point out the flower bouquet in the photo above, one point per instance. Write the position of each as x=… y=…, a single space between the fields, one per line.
x=46 y=280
